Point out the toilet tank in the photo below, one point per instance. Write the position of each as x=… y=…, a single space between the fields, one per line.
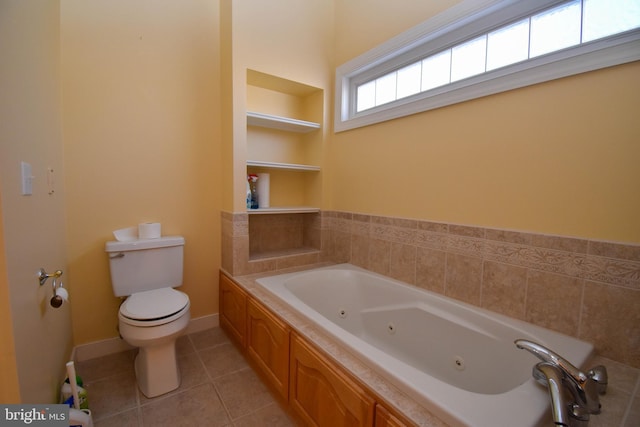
x=145 y=264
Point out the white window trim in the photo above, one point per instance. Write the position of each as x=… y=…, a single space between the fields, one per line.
x=464 y=21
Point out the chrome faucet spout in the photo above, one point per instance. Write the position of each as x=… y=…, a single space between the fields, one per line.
x=552 y=376
x=549 y=356
x=584 y=387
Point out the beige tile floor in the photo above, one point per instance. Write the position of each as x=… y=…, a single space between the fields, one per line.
x=218 y=389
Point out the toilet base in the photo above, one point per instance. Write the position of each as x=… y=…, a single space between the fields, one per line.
x=156 y=365
x=157 y=369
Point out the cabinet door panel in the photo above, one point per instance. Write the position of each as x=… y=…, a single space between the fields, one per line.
x=321 y=394
x=384 y=418
x=233 y=309
x=268 y=346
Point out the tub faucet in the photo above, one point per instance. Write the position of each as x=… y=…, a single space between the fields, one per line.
x=585 y=388
x=551 y=376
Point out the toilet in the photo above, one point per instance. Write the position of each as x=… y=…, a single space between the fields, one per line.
x=153 y=315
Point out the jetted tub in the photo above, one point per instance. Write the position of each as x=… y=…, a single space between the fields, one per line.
x=457 y=360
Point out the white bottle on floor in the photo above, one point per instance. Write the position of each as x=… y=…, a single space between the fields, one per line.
x=80 y=418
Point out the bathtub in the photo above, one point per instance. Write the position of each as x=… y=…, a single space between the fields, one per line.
x=457 y=360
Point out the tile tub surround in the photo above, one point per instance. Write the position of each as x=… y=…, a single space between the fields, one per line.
x=302 y=231
x=584 y=288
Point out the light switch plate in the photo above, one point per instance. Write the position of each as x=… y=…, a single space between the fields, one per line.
x=51 y=182
x=27 y=179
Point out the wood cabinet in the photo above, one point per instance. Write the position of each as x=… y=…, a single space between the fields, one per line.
x=317 y=391
x=233 y=310
x=384 y=418
x=268 y=346
x=322 y=395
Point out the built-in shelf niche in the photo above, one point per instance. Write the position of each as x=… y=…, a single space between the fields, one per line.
x=284 y=234
x=284 y=139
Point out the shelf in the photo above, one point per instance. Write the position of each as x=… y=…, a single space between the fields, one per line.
x=284 y=166
x=282 y=253
x=280 y=123
x=283 y=210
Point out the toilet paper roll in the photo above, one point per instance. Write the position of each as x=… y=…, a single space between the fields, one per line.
x=263 y=190
x=62 y=293
x=149 y=230
x=126 y=234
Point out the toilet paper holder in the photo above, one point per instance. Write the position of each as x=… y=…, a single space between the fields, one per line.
x=43 y=276
x=60 y=294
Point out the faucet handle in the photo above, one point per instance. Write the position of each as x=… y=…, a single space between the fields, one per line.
x=600 y=376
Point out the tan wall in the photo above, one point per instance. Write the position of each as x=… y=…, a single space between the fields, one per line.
x=227 y=127
x=142 y=142
x=33 y=226
x=558 y=157
x=9 y=387
x=364 y=24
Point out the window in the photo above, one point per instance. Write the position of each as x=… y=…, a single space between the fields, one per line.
x=480 y=47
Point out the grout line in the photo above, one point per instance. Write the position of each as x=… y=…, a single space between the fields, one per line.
x=445 y=275
x=138 y=402
x=583 y=291
x=211 y=378
x=635 y=393
x=482 y=284
x=527 y=277
x=222 y=402
x=140 y=417
x=255 y=410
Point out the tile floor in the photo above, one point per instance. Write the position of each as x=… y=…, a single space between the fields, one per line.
x=218 y=389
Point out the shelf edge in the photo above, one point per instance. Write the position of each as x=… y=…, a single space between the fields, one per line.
x=283 y=210
x=281 y=123
x=287 y=166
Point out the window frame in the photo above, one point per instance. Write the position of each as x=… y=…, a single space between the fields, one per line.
x=464 y=21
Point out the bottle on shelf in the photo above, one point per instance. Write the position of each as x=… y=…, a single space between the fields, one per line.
x=252 y=193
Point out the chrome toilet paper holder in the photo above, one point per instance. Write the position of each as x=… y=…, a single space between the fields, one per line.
x=60 y=295
x=43 y=276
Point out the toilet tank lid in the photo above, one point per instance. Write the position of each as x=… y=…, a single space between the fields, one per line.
x=136 y=245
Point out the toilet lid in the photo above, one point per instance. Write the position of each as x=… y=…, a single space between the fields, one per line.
x=155 y=304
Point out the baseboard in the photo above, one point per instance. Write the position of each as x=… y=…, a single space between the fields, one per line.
x=108 y=346
x=201 y=323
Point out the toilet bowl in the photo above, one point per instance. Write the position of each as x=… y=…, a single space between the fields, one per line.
x=153 y=315
x=154 y=331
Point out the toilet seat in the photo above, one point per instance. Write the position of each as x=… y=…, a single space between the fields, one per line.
x=155 y=307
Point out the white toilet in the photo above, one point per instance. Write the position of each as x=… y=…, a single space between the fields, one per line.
x=154 y=315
